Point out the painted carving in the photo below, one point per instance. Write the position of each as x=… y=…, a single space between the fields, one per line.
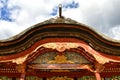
x=75 y=57
x=45 y=58
x=60 y=59
x=20 y=60
x=60 y=47
x=66 y=57
x=61 y=62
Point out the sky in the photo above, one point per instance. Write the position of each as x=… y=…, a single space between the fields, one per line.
x=18 y=15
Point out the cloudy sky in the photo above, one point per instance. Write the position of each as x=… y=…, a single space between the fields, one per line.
x=17 y=15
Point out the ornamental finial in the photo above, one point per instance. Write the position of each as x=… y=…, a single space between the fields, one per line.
x=60 y=10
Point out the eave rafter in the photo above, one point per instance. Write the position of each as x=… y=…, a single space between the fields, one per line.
x=59 y=28
x=66 y=44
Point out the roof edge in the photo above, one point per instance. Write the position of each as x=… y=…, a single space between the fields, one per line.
x=59 y=20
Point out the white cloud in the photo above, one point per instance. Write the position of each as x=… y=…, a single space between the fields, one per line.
x=29 y=13
x=8 y=29
x=115 y=32
x=103 y=15
x=96 y=13
x=1 y=5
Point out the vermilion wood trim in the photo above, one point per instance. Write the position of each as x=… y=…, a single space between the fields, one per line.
x=29 y=50
x=33 y=47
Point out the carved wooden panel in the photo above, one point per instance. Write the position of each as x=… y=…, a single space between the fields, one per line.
x=45 y=57
x=48 y=57
x=75 y=57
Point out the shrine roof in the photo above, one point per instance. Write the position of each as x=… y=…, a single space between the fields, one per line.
x=59 y=20
x=60 y=26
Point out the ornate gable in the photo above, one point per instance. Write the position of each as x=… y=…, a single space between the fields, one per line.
x=62 y=42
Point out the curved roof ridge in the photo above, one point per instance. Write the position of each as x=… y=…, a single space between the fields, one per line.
x=60 y=20
x=59 y=28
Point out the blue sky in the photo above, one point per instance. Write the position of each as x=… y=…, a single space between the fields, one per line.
x=17 y=15
x=71 y=5
x=6 y=11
